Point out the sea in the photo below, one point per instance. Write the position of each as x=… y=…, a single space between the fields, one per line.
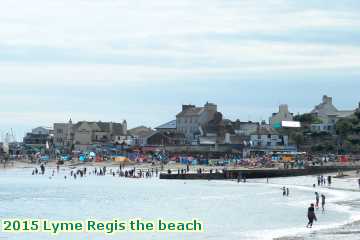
x=256 y=209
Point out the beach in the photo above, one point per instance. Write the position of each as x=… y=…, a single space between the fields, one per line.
x=252 y=210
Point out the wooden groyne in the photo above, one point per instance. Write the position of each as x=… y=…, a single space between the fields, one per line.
x=258 y=173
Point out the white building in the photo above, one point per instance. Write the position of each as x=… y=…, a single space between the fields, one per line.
x=140 y=135
x=267 y=138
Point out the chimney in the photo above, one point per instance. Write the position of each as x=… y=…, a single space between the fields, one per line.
x=111 y=128
x=327 y=99
x=210 y=107
x=283 y=108
x=187 y=106
x=124 y=127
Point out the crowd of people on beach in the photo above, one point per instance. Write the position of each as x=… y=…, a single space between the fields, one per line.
x=121 y=171
x=133 y=172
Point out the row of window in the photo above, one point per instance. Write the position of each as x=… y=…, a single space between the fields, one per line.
x=269 y=136
x=322 y=128
x=268 y=144
x=188 y=120
x=188 y=130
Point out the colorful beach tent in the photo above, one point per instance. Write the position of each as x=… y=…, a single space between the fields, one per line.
x=120 y=159
x=45 y=158
x=344 y=159
x=65 y=158
x=98 y=158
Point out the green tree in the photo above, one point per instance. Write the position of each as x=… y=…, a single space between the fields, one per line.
x=344 y=127
x=298 y=138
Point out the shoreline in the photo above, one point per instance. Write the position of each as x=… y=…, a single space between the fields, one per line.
x=348 y=228
x=232 y=172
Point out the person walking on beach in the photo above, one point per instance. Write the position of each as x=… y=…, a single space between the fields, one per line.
x=42 y=168
x=311 y=216
x=284 y=191
x=329 y=181
x=287 y=192
x=323 y=202
x=317 y=197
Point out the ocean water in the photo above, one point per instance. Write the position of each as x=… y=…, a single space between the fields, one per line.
x=229 y=210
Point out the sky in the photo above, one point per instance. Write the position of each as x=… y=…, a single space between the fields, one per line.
x=140 y=60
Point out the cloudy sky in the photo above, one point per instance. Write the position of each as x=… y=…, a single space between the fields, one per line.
x=140 y=60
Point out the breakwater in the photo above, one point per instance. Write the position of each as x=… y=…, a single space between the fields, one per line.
x=258 y=173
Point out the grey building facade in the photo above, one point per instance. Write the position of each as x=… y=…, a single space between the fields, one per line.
x=190 y=120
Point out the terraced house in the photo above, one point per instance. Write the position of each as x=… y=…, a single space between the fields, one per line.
x=84 y=133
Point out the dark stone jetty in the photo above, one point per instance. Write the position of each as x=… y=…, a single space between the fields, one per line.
x=258 y=173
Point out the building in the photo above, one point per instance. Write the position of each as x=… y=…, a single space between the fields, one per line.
x=266 y=140
x=166 y=138
x=328 y=115
x=84 y=133
x=63 y=134
x=282 y=115
x=140 y=135
x=39 y=136
x=245 y=128
x=190 y=120
x=167 y=127
x=42 y=130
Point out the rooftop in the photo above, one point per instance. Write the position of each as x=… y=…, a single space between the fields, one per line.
x=168 y=125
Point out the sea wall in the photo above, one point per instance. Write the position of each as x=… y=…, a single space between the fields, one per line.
x=258 y=173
